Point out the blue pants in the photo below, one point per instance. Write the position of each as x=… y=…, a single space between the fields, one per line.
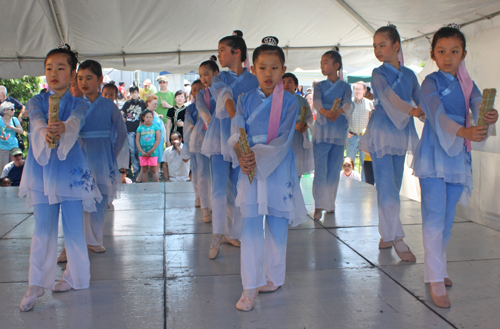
x=388 y=172
x=439 y=200
x=43 y=254
x=134 y=152
x=226 y=217
x=263 y=256
x=352 y=148
x=94 y=223
x=327 y=166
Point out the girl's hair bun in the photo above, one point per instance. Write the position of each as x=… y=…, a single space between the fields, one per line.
x=213 y=58
x=238 y=33
x=270 y=40
x=336 y=48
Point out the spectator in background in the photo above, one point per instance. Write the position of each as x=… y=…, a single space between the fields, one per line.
x=6 y=182
x=187 y=89
x=9 y=126
x=132 y=111
x=122 y=94
x=73 y=88
x=348 y=169
x=14 y=169
x=300 y=91
x=176 y=114
x=359 y=121
x=175 y=169
x=19 y=108
x=147 y=90
x=166 y=100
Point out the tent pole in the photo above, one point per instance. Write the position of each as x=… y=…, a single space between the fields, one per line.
x=56 y=20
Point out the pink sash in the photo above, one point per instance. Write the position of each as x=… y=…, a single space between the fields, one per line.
x=467 y=85
x=275 y=115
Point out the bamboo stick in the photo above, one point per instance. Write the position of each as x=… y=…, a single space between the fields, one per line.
x=487 y=103
x=53 y=116
x=245 y=149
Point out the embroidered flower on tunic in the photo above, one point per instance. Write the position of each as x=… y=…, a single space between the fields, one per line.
x=82 y=179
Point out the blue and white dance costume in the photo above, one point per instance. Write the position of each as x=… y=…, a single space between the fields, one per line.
x=226 y=85
x=274 y=193
x=302 y=145
x=53 y=179
x=390 y=134
x=190 y=117
x=328 y=141
x=443 y=165
x=102 y=139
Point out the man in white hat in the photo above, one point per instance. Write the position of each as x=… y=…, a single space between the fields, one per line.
x=166 y=99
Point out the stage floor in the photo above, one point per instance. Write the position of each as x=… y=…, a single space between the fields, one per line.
x=156 y=272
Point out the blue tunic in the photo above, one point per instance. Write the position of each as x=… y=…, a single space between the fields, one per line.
x=226 y=85
x=391 y=129
x=275 y=190
x=102 y=139
x=441 y=153
x=325 y=93
x=56 y=175
x=190 y=117
x=198 y=136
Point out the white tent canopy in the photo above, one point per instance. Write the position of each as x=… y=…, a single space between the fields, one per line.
x=175 y=36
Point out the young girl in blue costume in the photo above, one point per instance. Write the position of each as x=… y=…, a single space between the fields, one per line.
x=443 y=159
x=103 y=139
x=268 y=115
x=225 y=89
x=329 y=132
x=200 y=164
x=391 y=134
x=56 y=179
x=302 y=146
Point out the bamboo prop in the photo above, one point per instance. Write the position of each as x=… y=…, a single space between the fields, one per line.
x=303 y=115
x=53 y=116
x=487 y=103
x=336 y=105
x=245 y=149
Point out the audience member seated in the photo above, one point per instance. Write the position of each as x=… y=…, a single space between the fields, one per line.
x=348 y=169
x=175 y=169
x=6 y=182
x=14 y=169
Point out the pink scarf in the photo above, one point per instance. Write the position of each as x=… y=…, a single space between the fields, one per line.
x=275 y=115
x=467 y=85
x=206 y=99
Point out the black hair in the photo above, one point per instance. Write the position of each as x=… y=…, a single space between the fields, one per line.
x=448 y=32
x=143 y=114
x=93 y=66
x=133 y=88
x=112 y=82
x=291 y=75
x=269 y=48
x=121 y=83
x=179 y=92
x=236 y=42
x=335 y=55
x=391 y=32
x=112 y=86
x=197 y=81
x=211 y=63
x=66 y=50
x=178 y=134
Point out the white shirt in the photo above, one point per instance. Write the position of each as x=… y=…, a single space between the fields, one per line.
x=360 y=115
x=178 y=170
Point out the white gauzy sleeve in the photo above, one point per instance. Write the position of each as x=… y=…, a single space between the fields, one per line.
x=237 y=122
x=202 y=109
x=122 y=151
x=446 y=129
x=318 y=105
x=73 y=126
x=396 y=108
x=269 y=156
x=38 y=124
x=222 y=93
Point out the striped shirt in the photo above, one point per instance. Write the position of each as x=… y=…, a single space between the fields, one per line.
x=360 y=115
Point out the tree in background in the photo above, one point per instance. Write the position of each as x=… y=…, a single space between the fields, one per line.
x=22 y=89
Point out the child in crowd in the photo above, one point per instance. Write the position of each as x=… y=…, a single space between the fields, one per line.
x=302 y=146
x=226 y=87
x=391 y=133
x=110 y=91
x=268 y=114
x=148 y=139
x=152 y=105
x=443 y=160
x=200 y=164
x=330 y=132
x=57 y=179
x=103 y=139
x=348 y=169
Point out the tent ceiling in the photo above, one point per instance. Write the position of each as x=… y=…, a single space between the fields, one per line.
x=177 y=35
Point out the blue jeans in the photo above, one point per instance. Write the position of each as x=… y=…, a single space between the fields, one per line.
x=134 y=152
x=352 y=148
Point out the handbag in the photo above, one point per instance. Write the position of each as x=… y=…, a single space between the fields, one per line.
x=20 y=140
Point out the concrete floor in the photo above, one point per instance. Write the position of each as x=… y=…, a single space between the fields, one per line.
x=156 y=272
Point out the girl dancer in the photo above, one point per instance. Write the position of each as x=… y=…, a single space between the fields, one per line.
x=302 y=146
x=268 y=115
x=443 y=161
x=226 y=87
x=56 y=179
x=391 y=133
x=330 y=132
x=148 y=140
x=103 y=139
